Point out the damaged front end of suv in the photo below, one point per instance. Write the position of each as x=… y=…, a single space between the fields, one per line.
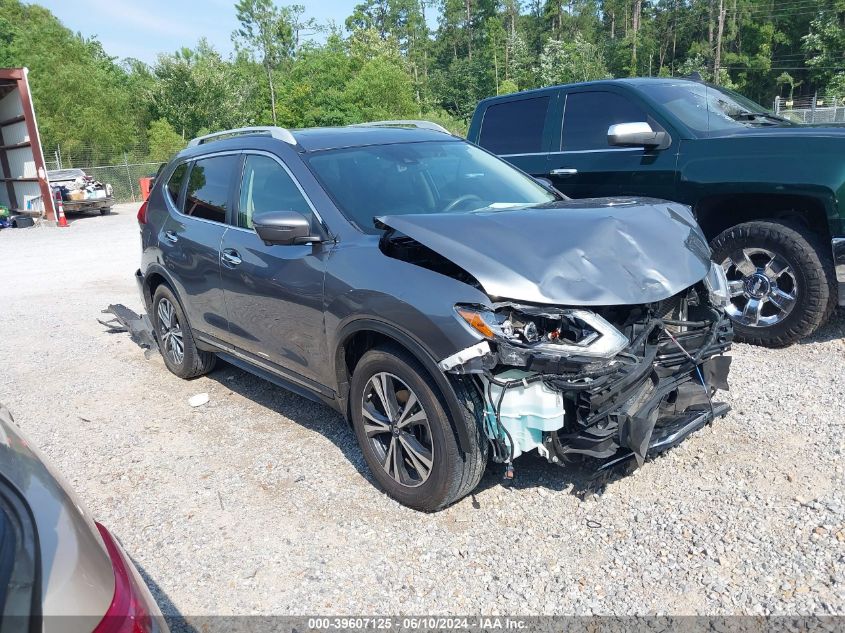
x=605 y=340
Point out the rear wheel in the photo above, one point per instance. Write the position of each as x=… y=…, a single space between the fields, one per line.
x=780 y=278
x=406 y=435
x=175 y=339
x=105 y=211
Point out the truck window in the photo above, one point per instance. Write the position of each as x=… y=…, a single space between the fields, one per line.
x=587 y=116
x=514 y=127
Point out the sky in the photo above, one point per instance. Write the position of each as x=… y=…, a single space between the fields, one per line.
x=142 y=29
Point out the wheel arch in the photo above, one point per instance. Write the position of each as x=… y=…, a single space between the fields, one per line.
x=362 y=335
x=720 y=212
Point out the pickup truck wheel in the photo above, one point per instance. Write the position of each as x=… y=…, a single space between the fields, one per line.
x=175 y=339
x=781 y=281
x=406 y=435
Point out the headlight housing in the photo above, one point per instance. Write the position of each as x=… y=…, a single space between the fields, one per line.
x=716 y=283
x=559 y=332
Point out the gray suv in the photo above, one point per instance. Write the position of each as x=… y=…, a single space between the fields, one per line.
x=451 y=307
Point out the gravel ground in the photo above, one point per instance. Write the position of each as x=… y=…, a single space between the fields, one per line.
x=258 y=502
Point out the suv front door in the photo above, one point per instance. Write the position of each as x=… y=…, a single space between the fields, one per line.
x=274 y=294
x=587 y=166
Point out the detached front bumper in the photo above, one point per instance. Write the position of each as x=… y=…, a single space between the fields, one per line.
x=839 y=266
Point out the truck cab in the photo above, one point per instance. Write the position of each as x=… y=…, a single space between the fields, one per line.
x=765 y=190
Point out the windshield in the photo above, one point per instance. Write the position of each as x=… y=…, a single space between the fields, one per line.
x=427 y=177
x=705 y=108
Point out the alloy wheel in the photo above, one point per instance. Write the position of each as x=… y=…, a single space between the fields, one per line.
x=397 y=427
x=762 y=285
x=170 y=331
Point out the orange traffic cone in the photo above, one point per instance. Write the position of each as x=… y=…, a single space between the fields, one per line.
x=61 y=212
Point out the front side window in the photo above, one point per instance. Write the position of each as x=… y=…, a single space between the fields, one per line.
x=426 y=177
x=208 y=187
x=514 y=127
x=174 y=184
x=266 y=186
x=588 y=115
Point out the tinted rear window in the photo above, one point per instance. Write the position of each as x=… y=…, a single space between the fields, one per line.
x=588 y=115
x=209 y=182
x=514 y=127
x=174 y=185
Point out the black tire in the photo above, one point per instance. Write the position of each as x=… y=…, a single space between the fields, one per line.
x=456 y=470
x=105 y=211
x=194 y=362
x=812 y=264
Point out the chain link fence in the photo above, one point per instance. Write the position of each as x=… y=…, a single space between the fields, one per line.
x=121 y=169
x=811 y=109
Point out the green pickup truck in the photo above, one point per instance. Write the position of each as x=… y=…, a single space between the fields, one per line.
x=768 y=192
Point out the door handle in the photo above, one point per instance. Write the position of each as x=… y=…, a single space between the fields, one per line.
x=230 y=257
x=170 y=236
x=569 y=171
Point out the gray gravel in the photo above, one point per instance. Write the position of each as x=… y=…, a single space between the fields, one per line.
x=258 y=501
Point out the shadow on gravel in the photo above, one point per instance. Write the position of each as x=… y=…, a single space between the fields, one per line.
x=175 y=620
x=833 y=330
x=531 y=470
x=311 y=415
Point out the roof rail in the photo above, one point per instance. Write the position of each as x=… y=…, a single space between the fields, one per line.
x=279 y=133
x=423 y=125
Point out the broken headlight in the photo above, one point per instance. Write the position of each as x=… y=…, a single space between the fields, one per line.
x=560 y=332
x=717 y=286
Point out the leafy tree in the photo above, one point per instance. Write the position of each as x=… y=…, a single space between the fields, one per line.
x=572 y=61
x=267 y=32
x=77 y=89
x=163 y=141
x=381 y=90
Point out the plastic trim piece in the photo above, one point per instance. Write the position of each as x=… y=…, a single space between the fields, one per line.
x=459 y=358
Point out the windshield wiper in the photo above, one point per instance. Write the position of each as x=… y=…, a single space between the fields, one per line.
x=751 y=117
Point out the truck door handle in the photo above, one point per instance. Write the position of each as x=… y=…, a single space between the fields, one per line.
x=230 y=257
x=569 y=171
x=170 y=236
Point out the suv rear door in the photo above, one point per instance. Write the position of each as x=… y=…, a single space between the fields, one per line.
x=191 y=235
x=274 y=294
x=587 y=166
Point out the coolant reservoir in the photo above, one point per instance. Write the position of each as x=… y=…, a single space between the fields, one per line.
x=527 y=411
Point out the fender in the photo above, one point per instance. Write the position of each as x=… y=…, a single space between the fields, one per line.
x=418 y=350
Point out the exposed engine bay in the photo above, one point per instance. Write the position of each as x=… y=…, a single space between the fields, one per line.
x=609 y=382
x=612 y=342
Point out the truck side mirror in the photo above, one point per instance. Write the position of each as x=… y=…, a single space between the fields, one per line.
x=637 y=134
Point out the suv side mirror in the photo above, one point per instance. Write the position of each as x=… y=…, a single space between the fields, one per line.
x=637 y=134
x=283 y=228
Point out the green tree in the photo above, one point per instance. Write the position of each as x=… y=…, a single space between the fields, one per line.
x=78 y=90
x=572 y=61
x=382 y=89
x=163 y=141
x=267 y=32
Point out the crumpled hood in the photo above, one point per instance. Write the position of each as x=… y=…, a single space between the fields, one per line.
x=607 y=251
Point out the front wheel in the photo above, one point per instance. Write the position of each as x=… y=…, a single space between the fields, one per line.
x=105 y=211
x=406 y=436
x=781 y=281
